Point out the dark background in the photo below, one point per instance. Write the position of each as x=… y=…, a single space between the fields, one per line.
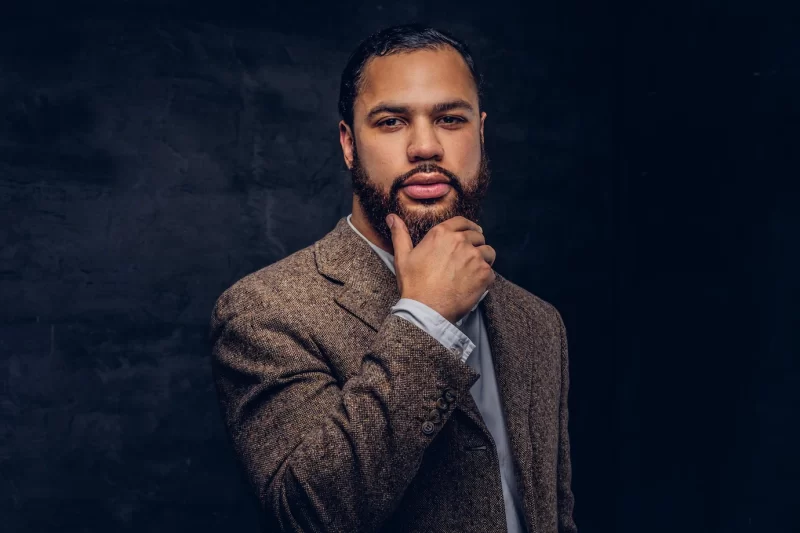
x=643 y=154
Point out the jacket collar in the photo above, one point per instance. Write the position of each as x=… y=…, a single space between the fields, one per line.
x=369 y=290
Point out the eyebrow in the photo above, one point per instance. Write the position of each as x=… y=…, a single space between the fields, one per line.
x=384 y=107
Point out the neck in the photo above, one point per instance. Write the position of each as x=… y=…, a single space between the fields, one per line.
x=359 y=220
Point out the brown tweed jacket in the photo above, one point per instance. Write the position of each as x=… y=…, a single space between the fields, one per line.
x=326 y=394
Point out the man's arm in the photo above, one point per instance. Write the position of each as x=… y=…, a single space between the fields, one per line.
x=320 y=456
x=435 y=325
x=566 y=500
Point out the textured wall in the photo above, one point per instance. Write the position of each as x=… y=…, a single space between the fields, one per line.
x=153 y=154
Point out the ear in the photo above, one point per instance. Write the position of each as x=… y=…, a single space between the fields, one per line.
x=347 y=140
x=483 y=118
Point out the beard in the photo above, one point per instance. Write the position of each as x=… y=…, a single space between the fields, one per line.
x=377 y=204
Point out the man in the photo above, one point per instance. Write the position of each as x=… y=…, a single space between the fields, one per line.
x=385 y=378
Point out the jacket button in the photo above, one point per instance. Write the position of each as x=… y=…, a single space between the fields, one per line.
x=428 y=427
x=442 y=404
x=434 y=416
x=450 y=395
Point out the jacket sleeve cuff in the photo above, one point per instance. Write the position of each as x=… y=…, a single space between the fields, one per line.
x=437 y=326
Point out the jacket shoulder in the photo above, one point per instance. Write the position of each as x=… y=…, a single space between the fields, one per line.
x=542 y=313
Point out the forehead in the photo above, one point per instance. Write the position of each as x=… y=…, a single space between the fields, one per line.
x=422 y=77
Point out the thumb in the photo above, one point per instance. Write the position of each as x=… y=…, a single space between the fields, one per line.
x=401 y=240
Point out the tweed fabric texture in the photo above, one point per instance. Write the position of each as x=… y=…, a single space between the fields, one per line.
x=329 y=400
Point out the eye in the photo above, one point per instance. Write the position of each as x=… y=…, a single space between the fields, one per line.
x=452 y=120
x=390 y=122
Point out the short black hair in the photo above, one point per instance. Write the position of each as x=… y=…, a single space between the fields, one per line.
x=396 y=39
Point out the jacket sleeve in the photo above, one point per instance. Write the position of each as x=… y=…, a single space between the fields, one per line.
x=434 y=325
x=320 y=455
x=566 y=500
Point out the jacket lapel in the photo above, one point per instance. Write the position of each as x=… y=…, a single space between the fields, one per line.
x=369 y=290
x=509 y=330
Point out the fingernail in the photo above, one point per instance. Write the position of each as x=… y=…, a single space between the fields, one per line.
x=390 y=220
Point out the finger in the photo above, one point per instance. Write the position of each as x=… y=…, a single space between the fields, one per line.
x=401 y=240
x=488 y=253
x=476 y=238
x=459 y=223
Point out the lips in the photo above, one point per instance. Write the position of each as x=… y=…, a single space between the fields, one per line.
x=421 y=186
x=421 y=178
x=434 y=190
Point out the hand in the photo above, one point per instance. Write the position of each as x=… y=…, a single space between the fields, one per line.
x=449 y=269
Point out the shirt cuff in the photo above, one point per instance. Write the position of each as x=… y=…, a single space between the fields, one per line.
x=435 y=325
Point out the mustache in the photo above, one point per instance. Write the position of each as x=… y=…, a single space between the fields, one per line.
x=426 y=168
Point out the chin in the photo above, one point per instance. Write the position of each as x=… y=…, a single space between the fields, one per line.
x=426 y=204
x=429 y=202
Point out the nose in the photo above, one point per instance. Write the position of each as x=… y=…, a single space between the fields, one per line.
x=424 y=144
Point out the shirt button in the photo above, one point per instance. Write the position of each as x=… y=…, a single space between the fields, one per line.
x=457 y=350
x=428 y=427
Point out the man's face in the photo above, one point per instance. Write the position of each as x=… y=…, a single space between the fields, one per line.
x=417 y=116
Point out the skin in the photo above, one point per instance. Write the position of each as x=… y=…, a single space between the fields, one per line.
x=383 y=149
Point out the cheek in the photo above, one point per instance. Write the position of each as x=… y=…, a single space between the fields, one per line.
x=382 y=160
x=466 y=154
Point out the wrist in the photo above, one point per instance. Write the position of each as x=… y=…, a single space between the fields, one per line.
x=447 y=315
